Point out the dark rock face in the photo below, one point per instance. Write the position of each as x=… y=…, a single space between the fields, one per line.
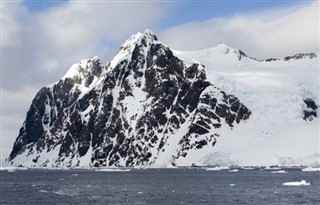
x=294 y=57
x=311 y=110
x=48 y=105
x=148 y=102
x=271 y=59
x=211 y=114
x=242 y=54
x=300 y=56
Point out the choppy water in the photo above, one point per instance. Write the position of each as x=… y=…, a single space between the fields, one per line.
x=157 y=186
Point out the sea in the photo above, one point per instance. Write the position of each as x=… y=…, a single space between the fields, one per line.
x=158 y=186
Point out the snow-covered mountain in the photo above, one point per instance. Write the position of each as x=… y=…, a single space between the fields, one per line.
x=155 y=106
x=283 y=96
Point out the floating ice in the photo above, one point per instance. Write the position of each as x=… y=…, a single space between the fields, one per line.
x=279 y=172
x=302 y=183
x=216 y=168
x=11 y=170
x=248 y=168
x=311 y=169
x=272 y=168
x=59 y=192
x=213 y=169
x=234 y=170
x=65 y=192
x=112 y=170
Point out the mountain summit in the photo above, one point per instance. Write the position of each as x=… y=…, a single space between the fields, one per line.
x=146 y=107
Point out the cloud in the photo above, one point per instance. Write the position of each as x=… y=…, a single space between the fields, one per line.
x=43 y=45
x=14 y=105
x=270 y=33
x=14 y=108
x=10 y=28
x=9 y=133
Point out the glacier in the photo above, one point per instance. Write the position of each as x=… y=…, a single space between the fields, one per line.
x=274 y=90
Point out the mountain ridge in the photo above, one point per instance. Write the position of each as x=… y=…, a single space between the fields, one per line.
x=145 y=107
x=225 y=49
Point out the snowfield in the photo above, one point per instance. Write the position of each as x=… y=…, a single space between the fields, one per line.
x=274 y=91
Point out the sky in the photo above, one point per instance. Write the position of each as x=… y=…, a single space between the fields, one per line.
x=41 y=39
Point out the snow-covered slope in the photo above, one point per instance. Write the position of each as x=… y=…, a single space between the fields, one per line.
x=275 y=90
x=154 y=106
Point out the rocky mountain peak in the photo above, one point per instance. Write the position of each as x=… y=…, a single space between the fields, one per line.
x=85 y=72
x=150 y=108
x=144 y=39
x=228 y=50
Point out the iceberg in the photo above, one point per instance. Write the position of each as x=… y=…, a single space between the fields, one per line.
x=301 y=183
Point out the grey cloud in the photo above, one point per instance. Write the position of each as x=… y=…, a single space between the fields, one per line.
x=43 y=45
x=14 y=108
x=9 y=122
x=260 y=37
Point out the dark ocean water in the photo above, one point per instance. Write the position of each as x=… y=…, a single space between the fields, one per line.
x=157 y=186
